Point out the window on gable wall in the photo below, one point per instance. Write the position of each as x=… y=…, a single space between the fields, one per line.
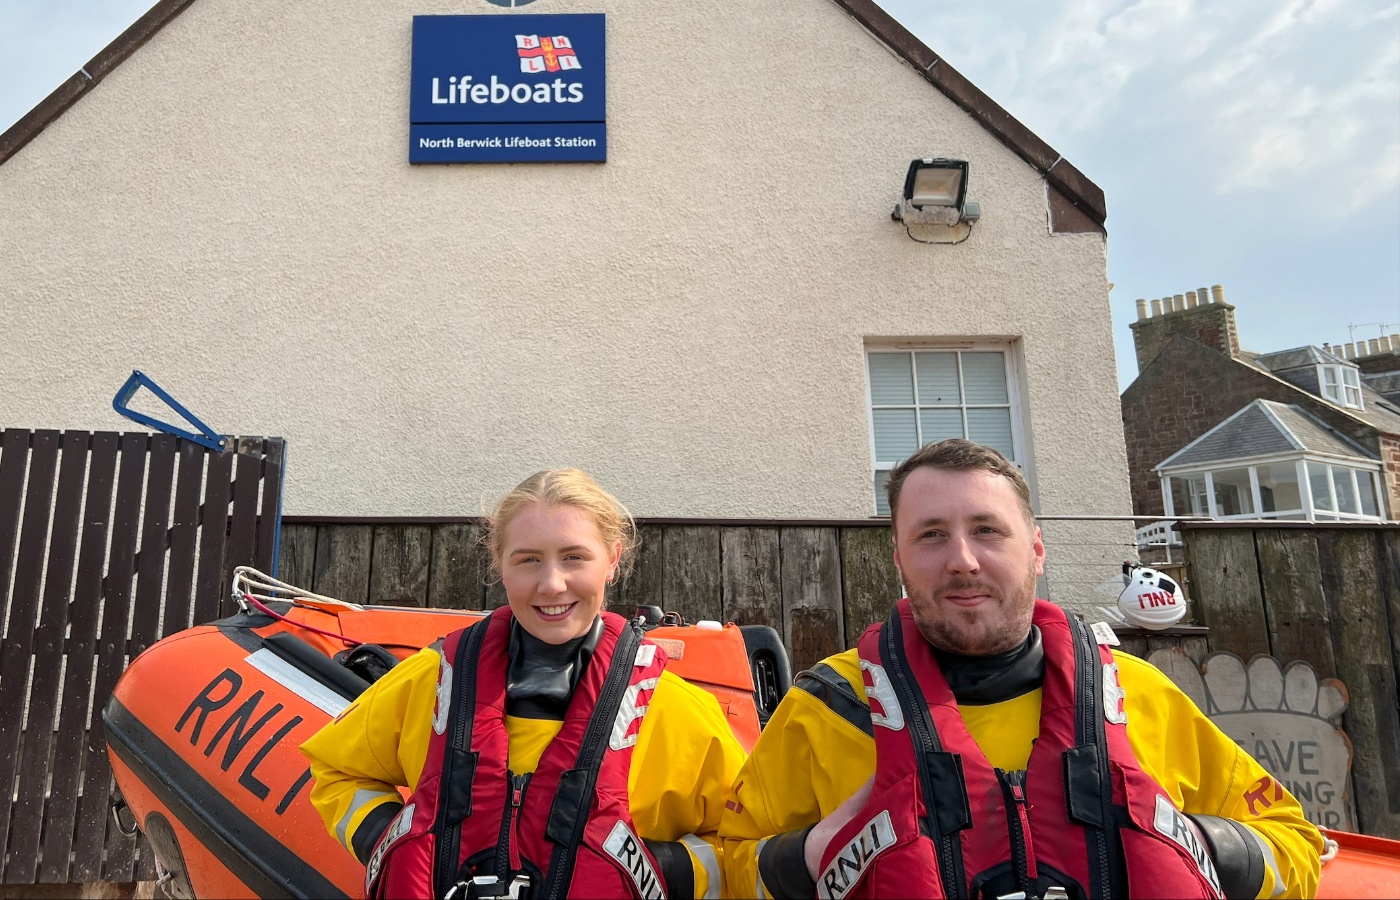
x=919 y=396
x=1340 y=384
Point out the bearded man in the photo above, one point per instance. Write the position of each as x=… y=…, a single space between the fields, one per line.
x=981 y=743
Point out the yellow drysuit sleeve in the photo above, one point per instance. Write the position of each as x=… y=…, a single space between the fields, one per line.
x=810 y=759
x=683 y=763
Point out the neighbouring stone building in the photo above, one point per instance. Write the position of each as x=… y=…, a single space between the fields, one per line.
x=1215 y=430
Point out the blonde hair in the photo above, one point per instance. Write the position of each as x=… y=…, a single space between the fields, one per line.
x=564 y=487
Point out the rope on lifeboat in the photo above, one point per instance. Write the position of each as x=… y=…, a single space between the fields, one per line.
x=247 y=581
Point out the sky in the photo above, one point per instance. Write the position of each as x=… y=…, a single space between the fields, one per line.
x=1253 y=144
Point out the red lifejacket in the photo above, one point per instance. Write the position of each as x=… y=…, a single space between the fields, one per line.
x=567 y=827
x=942 y=822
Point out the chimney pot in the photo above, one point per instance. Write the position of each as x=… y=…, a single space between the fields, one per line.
x=1391 y=343
x=1156 y=307
x=1374 y=346
x=1217 y=293
x=1204 y=295
x=1179 y=303
x=1141 y=309
x=1193 y=300
x=1349 y=351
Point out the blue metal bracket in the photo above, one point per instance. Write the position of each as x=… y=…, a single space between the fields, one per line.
x=138 y=380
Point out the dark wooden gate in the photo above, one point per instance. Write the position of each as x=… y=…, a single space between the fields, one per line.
x=108 y=542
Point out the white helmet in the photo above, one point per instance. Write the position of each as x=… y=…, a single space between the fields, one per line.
x=1151 y=599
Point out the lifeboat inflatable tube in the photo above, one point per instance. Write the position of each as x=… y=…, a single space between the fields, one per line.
x=203 y=730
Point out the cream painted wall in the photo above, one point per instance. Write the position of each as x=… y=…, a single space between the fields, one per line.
x=232 y=211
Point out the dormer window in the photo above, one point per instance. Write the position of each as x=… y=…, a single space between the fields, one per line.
x=1341 y=385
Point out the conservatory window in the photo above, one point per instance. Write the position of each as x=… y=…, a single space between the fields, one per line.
x=1278 y=487
x=1285 y=489
x=1233 y=495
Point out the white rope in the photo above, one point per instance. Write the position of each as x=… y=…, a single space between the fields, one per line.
x=248 y=580
x=1329 y=850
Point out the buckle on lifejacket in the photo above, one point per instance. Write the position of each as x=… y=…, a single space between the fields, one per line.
x=1054 y=892
x=482 y=886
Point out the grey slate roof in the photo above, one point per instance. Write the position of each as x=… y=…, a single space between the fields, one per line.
x=1379 y=413
x=1263 y=428
x=1299 y=356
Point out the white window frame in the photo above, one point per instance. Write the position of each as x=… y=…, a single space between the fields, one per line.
x=1310 y=511
x=1345 y=389
x=1013 y=396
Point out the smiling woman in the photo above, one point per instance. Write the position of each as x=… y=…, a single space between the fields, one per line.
x=557 y=541
x=520 y=738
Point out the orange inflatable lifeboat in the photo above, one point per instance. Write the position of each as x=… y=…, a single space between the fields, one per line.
x=203 y=730
x=203 y=727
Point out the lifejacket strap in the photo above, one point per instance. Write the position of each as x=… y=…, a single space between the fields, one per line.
x=568 y=815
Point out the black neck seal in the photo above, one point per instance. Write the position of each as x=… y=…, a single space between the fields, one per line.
x=981 y=680
x=542 y=676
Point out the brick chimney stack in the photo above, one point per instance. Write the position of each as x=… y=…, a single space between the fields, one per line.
x=1200 y=314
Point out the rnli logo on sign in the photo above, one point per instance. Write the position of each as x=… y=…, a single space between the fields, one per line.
x=512 y=4
x=845 y=870
x=624 y=846
x=545 y=54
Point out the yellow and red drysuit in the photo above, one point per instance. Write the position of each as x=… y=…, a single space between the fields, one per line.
x=684 y=761
x=815 y=753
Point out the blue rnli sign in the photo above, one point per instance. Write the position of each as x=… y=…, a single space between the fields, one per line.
x=508 y=88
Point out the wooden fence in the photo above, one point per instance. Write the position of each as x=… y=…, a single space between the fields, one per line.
x=819 y=583
x=1326 y=594
x=108 y=542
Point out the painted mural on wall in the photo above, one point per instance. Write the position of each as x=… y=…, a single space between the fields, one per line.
x=1285 y=718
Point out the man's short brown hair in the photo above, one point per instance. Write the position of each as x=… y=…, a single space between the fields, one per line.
x=963 y=456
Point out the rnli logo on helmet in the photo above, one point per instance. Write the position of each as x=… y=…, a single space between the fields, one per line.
x=854 y=859
x=884 y=705
x=545 y=54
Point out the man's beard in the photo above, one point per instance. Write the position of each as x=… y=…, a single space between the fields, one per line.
x=996 y=626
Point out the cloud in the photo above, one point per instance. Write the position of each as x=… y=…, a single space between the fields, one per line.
x=1273 y=103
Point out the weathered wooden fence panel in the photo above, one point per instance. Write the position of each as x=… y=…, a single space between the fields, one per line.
x=106 y=545
x=818 y=583
x=1225 y=568
x=1328 y=595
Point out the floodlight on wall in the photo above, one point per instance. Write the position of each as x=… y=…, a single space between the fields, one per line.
x=935 y=193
